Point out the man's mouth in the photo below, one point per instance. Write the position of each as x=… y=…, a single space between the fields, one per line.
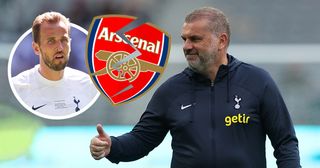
x=191 y=56
x=58 y=56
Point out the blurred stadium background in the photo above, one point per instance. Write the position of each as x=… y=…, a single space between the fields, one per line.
x=282 y=36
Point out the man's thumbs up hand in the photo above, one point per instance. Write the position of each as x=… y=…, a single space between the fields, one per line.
x=100 y=145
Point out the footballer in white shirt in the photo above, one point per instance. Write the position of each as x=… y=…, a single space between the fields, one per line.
x=51 y=89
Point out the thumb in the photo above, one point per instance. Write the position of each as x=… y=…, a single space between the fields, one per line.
x=101 y=132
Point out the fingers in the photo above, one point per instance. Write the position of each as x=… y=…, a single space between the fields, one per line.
x=101 y=132
x=103 y=135
x=98 y=155
x=97 y=144
x=96 y=141
x=100 y=145
x=99 y=148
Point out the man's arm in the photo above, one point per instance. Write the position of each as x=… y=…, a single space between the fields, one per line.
x=279 y=127
x=145 y=136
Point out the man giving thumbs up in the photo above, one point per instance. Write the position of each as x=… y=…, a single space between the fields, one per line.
x=100 y=144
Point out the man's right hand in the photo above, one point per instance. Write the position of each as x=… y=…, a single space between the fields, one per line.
x=100 y=145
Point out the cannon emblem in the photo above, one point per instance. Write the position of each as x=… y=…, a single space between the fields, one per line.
x=128 y=70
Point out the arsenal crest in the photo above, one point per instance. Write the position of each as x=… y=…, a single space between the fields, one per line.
x=125 y=56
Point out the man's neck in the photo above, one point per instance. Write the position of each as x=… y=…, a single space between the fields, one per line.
x=214 y=67
x=50 y=74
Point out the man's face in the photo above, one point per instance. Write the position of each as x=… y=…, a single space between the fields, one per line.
x=200 y=44
x=54 y=45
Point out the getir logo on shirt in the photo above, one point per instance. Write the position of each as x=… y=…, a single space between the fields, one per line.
x=236 y=119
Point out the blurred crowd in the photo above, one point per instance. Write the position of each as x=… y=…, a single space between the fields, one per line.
x=252 y=22
x=16 y=16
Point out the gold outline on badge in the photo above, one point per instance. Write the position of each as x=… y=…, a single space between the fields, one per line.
x=155 y=82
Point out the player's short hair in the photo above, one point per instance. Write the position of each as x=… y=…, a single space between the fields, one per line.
x=218 y=22
x=50 y=17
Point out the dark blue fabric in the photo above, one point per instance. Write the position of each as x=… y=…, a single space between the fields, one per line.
x=201 y=135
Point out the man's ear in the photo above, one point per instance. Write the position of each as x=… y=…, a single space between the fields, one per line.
x=223 y=41
x=36 y=48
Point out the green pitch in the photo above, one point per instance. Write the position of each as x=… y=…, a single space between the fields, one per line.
x=16 y=132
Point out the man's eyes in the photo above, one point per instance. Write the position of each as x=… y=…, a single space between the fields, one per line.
x=54 y=41
x=192 y=38
x=195 y=39
x=51 y=41
x=65 y=40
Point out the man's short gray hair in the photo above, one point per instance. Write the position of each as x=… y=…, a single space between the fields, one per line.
x=218 y=22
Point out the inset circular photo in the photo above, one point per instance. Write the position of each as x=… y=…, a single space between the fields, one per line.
x=47 y=70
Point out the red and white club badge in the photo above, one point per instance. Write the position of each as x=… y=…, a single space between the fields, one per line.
x=125 y=56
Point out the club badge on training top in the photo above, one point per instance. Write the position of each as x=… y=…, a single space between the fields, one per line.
x=125 y=56
x=237 y=100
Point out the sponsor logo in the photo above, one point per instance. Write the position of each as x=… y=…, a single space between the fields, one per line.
x=184 y=107
x=239 y=118
x=36 y=108
x=236 y=119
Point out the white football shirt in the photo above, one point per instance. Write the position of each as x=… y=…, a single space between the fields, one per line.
x=55 y=98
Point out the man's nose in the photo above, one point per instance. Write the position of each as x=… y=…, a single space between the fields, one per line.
x=60 y=46
x=187 y=45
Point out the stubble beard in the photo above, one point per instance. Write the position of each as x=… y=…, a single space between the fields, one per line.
x=51 y=63
x=202 y=64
